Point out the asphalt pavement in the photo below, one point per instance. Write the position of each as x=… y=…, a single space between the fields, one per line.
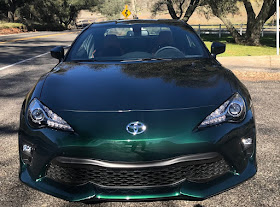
x=257 y=63
x=16 y=80
x=18 y=47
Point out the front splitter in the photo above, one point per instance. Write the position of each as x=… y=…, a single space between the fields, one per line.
x=186 y=190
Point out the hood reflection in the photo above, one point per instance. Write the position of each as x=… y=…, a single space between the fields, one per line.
x=184 y=73
x=136 y=86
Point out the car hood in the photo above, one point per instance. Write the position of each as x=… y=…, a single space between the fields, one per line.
x=149 y=85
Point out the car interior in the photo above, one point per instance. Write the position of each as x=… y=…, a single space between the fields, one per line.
x=138 y=43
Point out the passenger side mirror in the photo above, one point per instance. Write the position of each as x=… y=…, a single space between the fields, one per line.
x=217 y=48
x=58 y=53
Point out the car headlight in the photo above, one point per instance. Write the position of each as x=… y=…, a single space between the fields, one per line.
x=233 y=110
x=41 y=116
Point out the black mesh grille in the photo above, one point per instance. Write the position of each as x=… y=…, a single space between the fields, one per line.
x=80 y=174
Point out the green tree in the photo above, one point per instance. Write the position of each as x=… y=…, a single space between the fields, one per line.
x=178 y=9
x=12 y=6
x=111 y=8
x=255 y=21
x=67 y=11
x=3 y=9
x=63 y=12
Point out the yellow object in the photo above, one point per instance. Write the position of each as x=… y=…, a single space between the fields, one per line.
x=126 y=13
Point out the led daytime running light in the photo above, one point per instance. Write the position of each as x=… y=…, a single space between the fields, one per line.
x=46 y=117
x=225 y=112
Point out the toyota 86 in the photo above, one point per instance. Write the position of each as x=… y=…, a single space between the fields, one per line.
x=137 y=110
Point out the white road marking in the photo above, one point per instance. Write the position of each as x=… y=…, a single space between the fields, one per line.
x=22 y=61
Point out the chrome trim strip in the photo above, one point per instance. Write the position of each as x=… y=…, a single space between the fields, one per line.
x=138 y=110
x=187 y=158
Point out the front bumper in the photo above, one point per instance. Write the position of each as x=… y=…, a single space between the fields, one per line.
x=184 y=190
x=48 y=145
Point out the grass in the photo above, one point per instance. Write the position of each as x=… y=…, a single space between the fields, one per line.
x=7 y=25
x=268 y=46
x=217 y=26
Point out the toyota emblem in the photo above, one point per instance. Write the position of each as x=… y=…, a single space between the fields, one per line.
x=136 y=127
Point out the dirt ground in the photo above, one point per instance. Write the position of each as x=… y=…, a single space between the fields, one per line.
x=10 y=31
x=262 y=68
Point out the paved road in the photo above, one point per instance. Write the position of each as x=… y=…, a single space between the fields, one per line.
x=260 y=63
x=16 y=81
x=14 y=48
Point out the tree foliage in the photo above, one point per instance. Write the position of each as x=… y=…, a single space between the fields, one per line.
x=178 y=9
x=255 y=21
x=111 y=9
x=11 y=6
x=3 y=9
x=62 y=12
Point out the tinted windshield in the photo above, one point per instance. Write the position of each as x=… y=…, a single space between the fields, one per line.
x=136 y=41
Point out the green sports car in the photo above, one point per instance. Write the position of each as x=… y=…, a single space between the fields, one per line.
x=137 y=110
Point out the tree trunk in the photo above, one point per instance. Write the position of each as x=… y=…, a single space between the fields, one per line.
x=11 y=16
x=12 y=9
x=230 y=27
x=134 y=9
x=252 y=36
x=253 y=30
x=254 y=23
x=191 y=8
x=171 y=9
x=253 y=39
x=253 y=33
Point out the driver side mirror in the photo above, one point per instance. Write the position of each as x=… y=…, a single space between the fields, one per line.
x=217 y=48
x=58 y=53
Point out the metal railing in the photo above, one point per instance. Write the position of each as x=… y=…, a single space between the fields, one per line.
x=220 y=29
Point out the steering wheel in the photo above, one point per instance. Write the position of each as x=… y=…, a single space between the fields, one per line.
x=169 y=48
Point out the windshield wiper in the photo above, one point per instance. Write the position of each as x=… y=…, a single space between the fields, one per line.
x=85 y=60
x=145 y=59
x=128 y=60
x=90 y=60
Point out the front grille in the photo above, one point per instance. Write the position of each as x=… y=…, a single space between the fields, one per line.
x=76 y=174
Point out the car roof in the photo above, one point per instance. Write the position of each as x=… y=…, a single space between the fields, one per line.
x=142 y=21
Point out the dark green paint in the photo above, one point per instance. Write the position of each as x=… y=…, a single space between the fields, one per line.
x=170 y=97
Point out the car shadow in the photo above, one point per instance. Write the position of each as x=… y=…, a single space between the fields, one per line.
x=198 y=205
x=8 y=129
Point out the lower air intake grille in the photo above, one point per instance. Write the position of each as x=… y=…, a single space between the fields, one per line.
x=75 y=174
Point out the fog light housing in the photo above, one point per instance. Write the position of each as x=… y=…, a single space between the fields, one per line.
x=27 y=149
x=27 y=153
x=247 y=142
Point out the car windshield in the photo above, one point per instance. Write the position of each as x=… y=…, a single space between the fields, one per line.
x=133 y=42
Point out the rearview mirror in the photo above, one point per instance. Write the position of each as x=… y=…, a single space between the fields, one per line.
x=217 y=48
x=58 y=53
